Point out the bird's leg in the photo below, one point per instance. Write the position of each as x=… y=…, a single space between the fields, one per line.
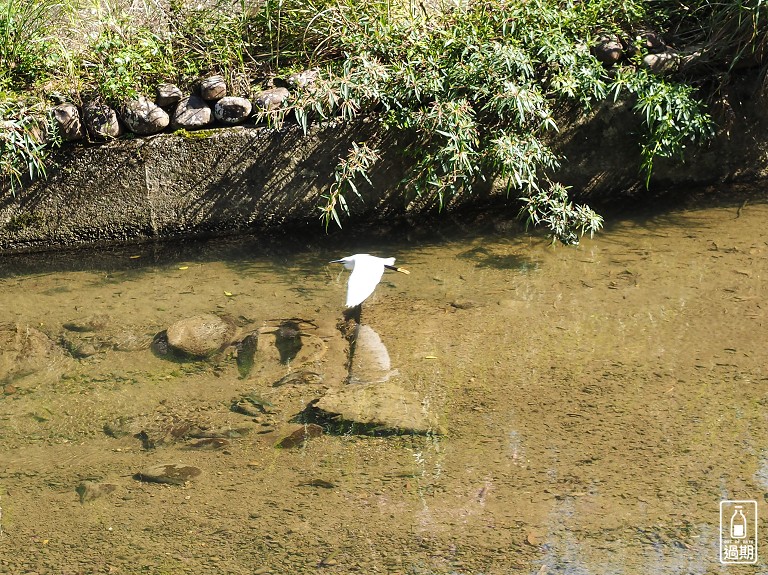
x=354 y=313
x=349 y=328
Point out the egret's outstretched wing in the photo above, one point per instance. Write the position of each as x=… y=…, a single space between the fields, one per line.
x=365 y=277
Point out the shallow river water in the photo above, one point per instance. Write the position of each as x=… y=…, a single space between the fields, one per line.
x=597 y=404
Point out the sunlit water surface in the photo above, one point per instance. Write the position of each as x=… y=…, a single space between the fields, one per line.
x=598 y=403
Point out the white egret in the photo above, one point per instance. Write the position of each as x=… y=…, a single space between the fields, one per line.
x=366 y=275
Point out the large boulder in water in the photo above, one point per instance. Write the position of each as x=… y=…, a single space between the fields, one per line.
x=369 y=361
x=382 y=407
x=85 y=336
x=26 y=351
x=201 y=335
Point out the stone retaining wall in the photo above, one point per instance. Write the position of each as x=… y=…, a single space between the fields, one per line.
x=182 y=184
x=253 y=178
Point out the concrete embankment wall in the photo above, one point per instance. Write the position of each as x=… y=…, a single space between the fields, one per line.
x=178 y=185
x=253 y=178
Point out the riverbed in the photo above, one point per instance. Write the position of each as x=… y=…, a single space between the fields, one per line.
x=596 y=404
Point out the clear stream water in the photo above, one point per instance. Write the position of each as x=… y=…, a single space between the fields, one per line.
x=598 y=403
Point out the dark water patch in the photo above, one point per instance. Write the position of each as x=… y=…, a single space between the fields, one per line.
x=482 y=256
x=243 y=251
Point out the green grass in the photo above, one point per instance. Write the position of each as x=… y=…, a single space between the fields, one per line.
x=25 y=41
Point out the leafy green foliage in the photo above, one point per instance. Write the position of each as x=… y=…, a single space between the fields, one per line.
x=26 y=57
x=672 y=117
x=124 y=61
x=358 y=162
x=464 y=90
x=297 y=32
x=212 y=38
x=25 y=42
x=23 y=145
x=470 y=90
x=129 y=58
x=553 y=209
x=728 y=33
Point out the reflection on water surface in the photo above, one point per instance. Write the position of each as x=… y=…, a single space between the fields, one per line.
x=597 y=404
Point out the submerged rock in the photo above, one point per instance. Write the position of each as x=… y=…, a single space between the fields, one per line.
x=288 y=341
x=159 y=345
x=246 y=353
x=299 y=437
x=301 y=377
x=318 y=483
x=90 y=490
x=171 y=473
x=382 y=407
x=251 y=404
x=91 y=334
x=95 y=322
x=464 y=304
x=120 y=427
x=80 y=348
x=291 y=342
x=157 y=436
x=209 y=443
x=222 y=433
x=201 y=336
x=129 y=340
x=369 y=361
x=25 y=350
